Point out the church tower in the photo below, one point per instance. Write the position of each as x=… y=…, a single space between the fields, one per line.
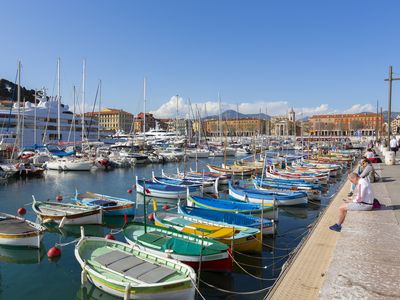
x=292 y=120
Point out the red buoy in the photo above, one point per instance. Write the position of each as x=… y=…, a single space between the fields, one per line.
x=59 y=197
x=129 y=191
x=110 y=237
x=21 y=211
x=165 y=207
x=150 y=217
x=53 y=252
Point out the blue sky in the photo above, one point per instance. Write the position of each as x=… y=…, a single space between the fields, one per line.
x=317 y=56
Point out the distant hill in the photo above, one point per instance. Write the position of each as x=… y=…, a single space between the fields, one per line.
x=8 y=91
x=232 y=114
x=393 y=115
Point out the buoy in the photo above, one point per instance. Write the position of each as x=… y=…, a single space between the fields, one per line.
x=150 y=217
x=110 y=237
x=53 y=252
x=165 y=207
x=129 y=191
x=59 y=198
x=21 y=211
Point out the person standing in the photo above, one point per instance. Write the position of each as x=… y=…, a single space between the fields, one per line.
x=394 y=145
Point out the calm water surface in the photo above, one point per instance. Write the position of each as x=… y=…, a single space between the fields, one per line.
x=28 y=274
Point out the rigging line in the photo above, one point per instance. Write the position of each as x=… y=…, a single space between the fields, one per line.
x=248 y=273
x=94 y=106
x=234 y=292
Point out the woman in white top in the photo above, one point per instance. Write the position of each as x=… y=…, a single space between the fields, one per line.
x=362 y=200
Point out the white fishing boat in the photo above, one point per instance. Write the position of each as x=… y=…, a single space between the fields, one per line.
x=127 y=271
x=67 y=214
x=70 y=164
x=198 y=153
x=16 y=231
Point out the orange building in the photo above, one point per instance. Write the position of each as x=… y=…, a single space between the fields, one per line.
x=113 y=119
x=233 y=127
x=364 y=124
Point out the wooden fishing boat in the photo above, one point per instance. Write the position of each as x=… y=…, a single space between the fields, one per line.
x=222 y=178
x=155 y=189
x=195 y=184
x=312 y=194
x=289 y=176
x=66 y=213
x=223 y=205
x=232 y=169
x=16 y=231
x=186 y=248
x=125 y=271
x=260 y=196
x=243 y=239
x=234 y=219
x=112 y=206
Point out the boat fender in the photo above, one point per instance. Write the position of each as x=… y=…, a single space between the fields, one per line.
x=59 y=198
x=129 y=191
x=21 y=211
x=150 y=217
x=53 y=252
x=110 y=237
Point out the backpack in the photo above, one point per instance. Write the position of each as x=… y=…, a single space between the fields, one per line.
x=376 y=204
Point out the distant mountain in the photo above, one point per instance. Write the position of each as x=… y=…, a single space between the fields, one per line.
x=393 y=115
x=8 y=91
x=232 y=114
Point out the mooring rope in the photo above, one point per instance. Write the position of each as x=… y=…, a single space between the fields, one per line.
x=66 y=244
x=235 y=292
x=197 y=289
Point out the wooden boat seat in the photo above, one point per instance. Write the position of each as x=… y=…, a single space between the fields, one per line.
x=14 y=226
x=156 y=275
x=134 y=267
x=110 y=257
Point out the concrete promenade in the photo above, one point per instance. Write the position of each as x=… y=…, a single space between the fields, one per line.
x=361 y=262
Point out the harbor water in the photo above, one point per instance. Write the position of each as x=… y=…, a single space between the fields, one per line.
x=28 y=274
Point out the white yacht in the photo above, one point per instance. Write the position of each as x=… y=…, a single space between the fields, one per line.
x=38 y=123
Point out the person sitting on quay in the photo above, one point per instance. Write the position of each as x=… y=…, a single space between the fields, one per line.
x=360 y=169
x=362 y=201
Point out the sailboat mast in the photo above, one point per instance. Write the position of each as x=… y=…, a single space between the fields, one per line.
x=73 y=118
x=34 y=119
x=219 y=119
x=58 y=102
x=98 y=115
x=176 y=119
x=18 y=105
x=144 y=109
x=83 y=99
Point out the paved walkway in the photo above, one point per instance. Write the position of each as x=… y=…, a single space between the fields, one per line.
x=361 y=262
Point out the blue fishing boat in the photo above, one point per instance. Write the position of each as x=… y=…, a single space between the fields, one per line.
x=204 y=186
x=265 y=196
x=278 y=183
x=232 y=206
x=112 y=206
x=156 y=189
x=235 y=219
x=313 y=194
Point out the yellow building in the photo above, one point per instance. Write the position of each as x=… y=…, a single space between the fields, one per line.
x=233 y=127
x=113 y=119
x=346 y=124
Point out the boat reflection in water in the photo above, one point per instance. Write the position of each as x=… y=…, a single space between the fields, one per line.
x=89 y=292
x=21 y=255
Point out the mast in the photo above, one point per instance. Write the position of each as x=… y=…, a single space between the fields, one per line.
x=98 y=115
x=58 y=102
x=219 y=119
x=23 y=122
x=144 y=108
x=18 y=105
x=176 y=119
x=83 y=99
x=73 y=118
x=34 y=119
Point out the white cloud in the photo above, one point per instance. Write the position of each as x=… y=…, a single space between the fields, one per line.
x=274 y=108
x=357 y=108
